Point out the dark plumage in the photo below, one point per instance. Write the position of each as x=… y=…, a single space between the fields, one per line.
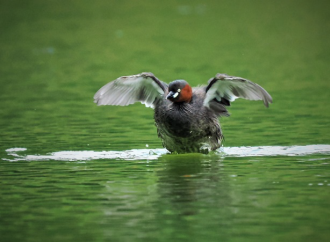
x=186 y=118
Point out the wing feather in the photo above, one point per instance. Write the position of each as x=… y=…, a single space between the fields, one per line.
x=223 y=88
x=125 y=90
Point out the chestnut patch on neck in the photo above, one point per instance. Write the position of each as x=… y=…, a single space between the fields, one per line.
x=185 y=94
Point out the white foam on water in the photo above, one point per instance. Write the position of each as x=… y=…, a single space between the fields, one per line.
x=135 y=154
x=153 y=154
x=277 y=150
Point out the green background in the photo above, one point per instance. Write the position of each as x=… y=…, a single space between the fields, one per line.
x=54 y=55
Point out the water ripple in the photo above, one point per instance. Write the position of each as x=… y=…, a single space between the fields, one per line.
x=153 y=154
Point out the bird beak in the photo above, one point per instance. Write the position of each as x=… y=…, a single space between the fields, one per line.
x=170 y=95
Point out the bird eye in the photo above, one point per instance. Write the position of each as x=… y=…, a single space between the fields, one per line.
x=179 y=90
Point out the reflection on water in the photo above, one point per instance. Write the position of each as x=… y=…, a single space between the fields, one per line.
x=148 y=194
x=188 y=182
x=153 y=154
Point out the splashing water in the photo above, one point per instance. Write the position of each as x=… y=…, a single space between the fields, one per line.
x=153 y=154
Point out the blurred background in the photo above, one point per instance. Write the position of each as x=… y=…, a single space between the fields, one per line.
x=56 y=54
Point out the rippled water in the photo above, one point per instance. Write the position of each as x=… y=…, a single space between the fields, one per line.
x=73 y=171
x=245 y=193
x=154 y=154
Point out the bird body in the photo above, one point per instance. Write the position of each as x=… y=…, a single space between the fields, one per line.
x=188 y=127
x=186 y=118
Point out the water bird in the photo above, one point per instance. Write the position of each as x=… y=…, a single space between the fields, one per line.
x=186 y=118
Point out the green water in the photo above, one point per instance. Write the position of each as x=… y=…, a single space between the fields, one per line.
x=115 y=182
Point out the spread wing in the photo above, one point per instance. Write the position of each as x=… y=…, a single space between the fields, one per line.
x=223 y=89
x=125 y=90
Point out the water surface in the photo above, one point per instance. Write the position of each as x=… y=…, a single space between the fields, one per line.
x=72 y=171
